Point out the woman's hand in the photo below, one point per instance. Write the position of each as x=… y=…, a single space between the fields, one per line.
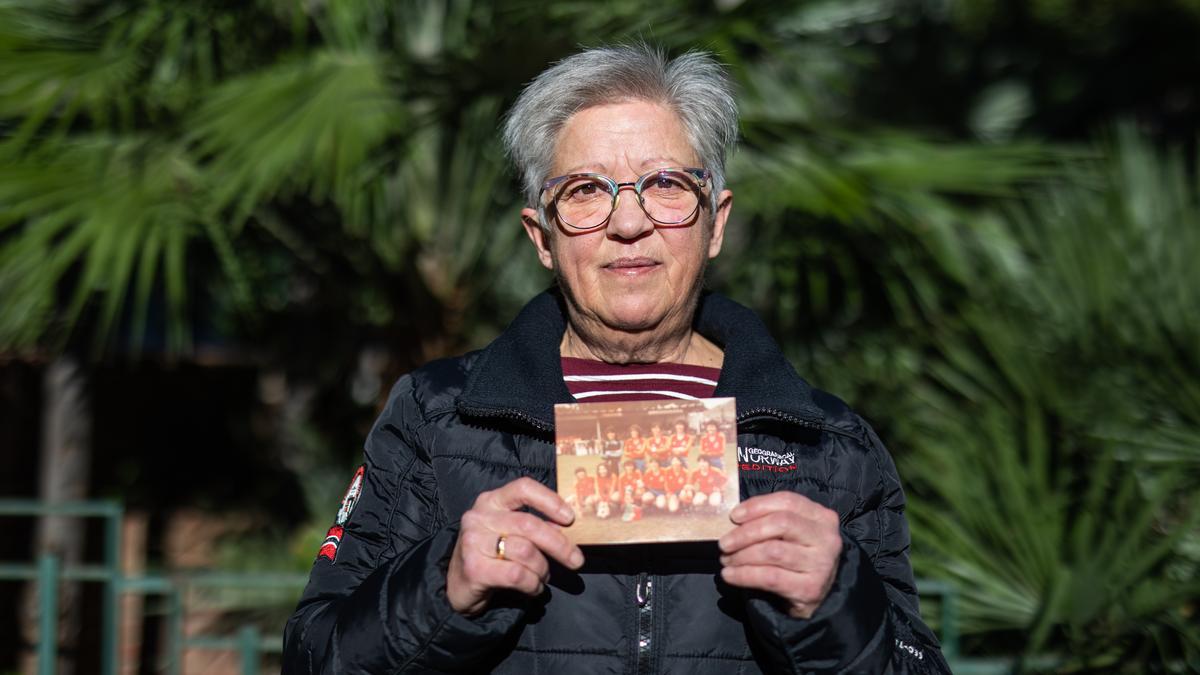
x=786 y=544
x=480 y=564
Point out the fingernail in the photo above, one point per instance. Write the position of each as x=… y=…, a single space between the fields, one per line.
x=566 y=514
x=576 y=559
x=737 y=512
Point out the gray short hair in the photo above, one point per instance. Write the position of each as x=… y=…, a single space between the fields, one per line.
x=694 y=85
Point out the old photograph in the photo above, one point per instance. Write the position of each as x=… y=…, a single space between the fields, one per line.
x=647 y=471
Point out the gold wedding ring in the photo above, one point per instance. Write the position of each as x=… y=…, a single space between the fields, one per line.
x=500 y=548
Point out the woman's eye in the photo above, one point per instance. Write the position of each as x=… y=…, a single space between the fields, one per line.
x=666 y=184
x=585 y=191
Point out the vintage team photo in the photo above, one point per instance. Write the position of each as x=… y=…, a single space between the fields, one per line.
x=647 y=471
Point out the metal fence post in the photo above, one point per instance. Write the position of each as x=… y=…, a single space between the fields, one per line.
x=113 y=513
x=950 y=622
x=249 y=638
x=175 y=628
x=48 y=617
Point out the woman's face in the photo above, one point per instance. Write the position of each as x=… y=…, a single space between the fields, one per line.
x=628 y=275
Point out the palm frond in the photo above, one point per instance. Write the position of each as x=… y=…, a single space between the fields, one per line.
x=306 y=125
x=96 y=218
x=1031 y=553
x=52 y=69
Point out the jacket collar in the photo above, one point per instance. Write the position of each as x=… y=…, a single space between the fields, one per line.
x=519 y=375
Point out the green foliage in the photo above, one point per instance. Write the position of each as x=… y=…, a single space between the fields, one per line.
x=1101 y=265
x=305 y=126
x=1043 y=420
x=116 y=208
x=1065 y=547
x=372 y=121
x=317 y=179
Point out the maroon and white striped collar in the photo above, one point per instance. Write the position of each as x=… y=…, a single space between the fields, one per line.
x=589 y=380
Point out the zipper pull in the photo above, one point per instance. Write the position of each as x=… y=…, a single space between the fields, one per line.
x=644 y=587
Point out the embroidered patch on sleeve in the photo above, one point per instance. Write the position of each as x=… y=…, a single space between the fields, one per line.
x=333 y=538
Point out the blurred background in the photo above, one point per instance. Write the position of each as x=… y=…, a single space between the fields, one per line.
x=227 y=227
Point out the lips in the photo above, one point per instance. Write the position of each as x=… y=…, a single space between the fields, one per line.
x=632 y=265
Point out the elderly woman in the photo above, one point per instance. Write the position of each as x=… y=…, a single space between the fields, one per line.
x=452 y=558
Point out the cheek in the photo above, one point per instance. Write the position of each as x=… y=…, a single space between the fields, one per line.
x=571 y=258
x=689 y=255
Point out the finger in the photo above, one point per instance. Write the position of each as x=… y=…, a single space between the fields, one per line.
x=812 y=527
x=487 y=573
x=528 y=492
x=775 y=525
x=482 y=543
x=796 y=588
x=804 y=592
x=522 y=551
x=784 y=500
x=547 y=537
x=777 y=553
x=764 y=578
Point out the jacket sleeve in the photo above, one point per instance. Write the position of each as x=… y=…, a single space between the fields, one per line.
x=870 y=621
x=379 y=606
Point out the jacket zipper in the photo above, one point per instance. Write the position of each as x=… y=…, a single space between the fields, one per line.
x=749 y=415
x=510 y=413
x=643 y=595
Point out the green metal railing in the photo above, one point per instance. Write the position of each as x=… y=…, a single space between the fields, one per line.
x=48 y=572
x=947 y=597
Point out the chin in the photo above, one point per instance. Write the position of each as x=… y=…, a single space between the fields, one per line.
x=635 y=316
x=631 y=324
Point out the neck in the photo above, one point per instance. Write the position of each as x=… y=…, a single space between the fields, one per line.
x=585 y=340
x=675 y=342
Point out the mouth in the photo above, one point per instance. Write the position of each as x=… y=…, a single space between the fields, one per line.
x=632 y=266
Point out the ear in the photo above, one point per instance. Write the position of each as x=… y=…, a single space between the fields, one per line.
x=720 y=218
x=539 y=237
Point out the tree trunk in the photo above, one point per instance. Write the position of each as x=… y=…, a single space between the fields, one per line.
x=63 y=476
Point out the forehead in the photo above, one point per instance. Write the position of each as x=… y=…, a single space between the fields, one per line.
x=622 y=138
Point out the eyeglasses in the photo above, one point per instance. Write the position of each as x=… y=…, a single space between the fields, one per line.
x=585 y=201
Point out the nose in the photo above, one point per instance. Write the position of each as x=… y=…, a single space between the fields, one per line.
x=628 y=220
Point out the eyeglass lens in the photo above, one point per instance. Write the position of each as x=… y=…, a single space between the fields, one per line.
x=668 y=197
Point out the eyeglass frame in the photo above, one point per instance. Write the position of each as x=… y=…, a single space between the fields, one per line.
x=701 y=175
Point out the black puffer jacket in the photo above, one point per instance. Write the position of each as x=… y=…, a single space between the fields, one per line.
x=457 y=427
